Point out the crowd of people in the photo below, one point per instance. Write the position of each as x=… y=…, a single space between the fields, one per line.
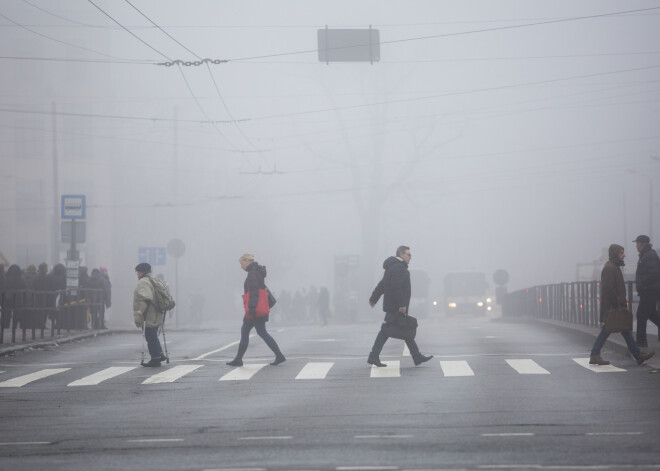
x=305 y=305
x=30 y=297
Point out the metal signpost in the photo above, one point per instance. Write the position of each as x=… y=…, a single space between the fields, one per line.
x=74 y=209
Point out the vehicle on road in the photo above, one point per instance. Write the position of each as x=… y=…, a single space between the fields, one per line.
x=466 y=293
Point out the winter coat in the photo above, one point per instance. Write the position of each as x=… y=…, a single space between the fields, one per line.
x=254 y=281
x=95 y=283
x=143 y=301
x=647 y=276
x=612 y=286
x=14 y=281
x=395 y=286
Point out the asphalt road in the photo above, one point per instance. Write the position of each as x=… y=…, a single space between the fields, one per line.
x=497 y=395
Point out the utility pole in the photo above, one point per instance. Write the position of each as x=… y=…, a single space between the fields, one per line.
x=55 y=227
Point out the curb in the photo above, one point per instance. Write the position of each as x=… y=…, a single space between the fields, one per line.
x=57 y=341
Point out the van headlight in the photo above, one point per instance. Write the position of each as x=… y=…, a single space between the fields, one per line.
x=480 y=304
x=452 y=305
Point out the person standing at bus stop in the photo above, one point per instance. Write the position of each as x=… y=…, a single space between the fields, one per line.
x=647 y=280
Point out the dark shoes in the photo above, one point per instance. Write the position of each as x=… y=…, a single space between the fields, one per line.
x=163 y=357
x=154 y=362
x=597 y=360
x=421 y=359
x=643 y=356
x=373 y=360
x=235 y=362
x=278 y=359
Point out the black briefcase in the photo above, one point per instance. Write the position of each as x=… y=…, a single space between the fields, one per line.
x=404 y=327
x=618 y=320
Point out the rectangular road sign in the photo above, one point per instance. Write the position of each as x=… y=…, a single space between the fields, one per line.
x=152 y=255
x=73 y=206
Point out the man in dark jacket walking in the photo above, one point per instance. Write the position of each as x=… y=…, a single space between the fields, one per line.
x=395 y=286
x=647 y=279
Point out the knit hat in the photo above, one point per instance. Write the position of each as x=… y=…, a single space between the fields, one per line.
x=143 y=267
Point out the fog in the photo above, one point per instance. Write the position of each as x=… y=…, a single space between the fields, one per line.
x=516 y=135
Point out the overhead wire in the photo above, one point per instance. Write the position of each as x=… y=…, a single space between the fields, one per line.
x=423 y=38
x=215 y=84
x=55 y=39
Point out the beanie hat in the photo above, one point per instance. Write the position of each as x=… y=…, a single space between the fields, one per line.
x=143 y=268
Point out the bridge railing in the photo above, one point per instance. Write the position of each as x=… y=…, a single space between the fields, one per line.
x=575 y=303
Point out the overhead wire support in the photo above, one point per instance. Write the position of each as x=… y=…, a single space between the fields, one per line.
x=419 y=38
x=215 y=84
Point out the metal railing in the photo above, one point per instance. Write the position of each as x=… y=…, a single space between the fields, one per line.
x=576 y=303
x=29 y=310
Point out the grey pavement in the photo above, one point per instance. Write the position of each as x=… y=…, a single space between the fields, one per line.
x=499 y=394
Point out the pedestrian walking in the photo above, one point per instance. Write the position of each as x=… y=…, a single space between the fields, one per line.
x=254 y=282
x=146 y=315
x=613 y=296
x=395 y=286
x=647 y=280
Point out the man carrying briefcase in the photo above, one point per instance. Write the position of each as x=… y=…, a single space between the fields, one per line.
x=395 y=286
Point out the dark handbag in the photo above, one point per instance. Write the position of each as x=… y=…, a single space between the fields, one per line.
x=404 y=327
x=271 y=298
x=618 y=320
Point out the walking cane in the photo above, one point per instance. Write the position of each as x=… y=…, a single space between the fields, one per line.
x=162 y=329
x=142 y=361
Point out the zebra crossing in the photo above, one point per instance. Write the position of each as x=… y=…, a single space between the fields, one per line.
x=310 y=371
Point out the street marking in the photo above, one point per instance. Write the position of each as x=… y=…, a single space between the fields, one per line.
x=364 y=468
x=406 y=351
x=281 y=437
x=172 y=374
x=456 y=368
x=615 y=433
x=102 y=375
x=524 y=434
x=24 y=443
x=155 y=440
x=383 y=436
x=243 y=373
x=584 y=362
x=527 y=367
x=392 y=370
x=229 y=345
x=23 y=380
x=315 y=370
x=236 y=469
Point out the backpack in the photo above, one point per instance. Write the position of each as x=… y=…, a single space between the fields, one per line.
x=162 y=299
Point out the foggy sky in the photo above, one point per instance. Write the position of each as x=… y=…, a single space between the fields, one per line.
x=490 y=135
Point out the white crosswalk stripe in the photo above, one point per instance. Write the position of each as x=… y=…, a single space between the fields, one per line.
x=456 y=368
x=392 y=370
x=584 y=362
x=527 y=367
x=99 y=377
x=25 y=379
x=315 y=370
x=171 y=374
x=243 y=373
x=312 y=370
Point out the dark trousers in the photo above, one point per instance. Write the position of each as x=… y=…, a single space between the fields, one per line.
x=646 y=311
x=260 y=326
x=153 y=344
x=382 y=337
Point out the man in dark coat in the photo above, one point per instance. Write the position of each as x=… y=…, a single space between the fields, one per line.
x=395 y=286
x=613 y=296
x=647 y=279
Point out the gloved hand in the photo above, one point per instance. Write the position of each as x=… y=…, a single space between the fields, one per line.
x=138 y=318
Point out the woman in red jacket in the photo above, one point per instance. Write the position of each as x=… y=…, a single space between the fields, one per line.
x=255 y=281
